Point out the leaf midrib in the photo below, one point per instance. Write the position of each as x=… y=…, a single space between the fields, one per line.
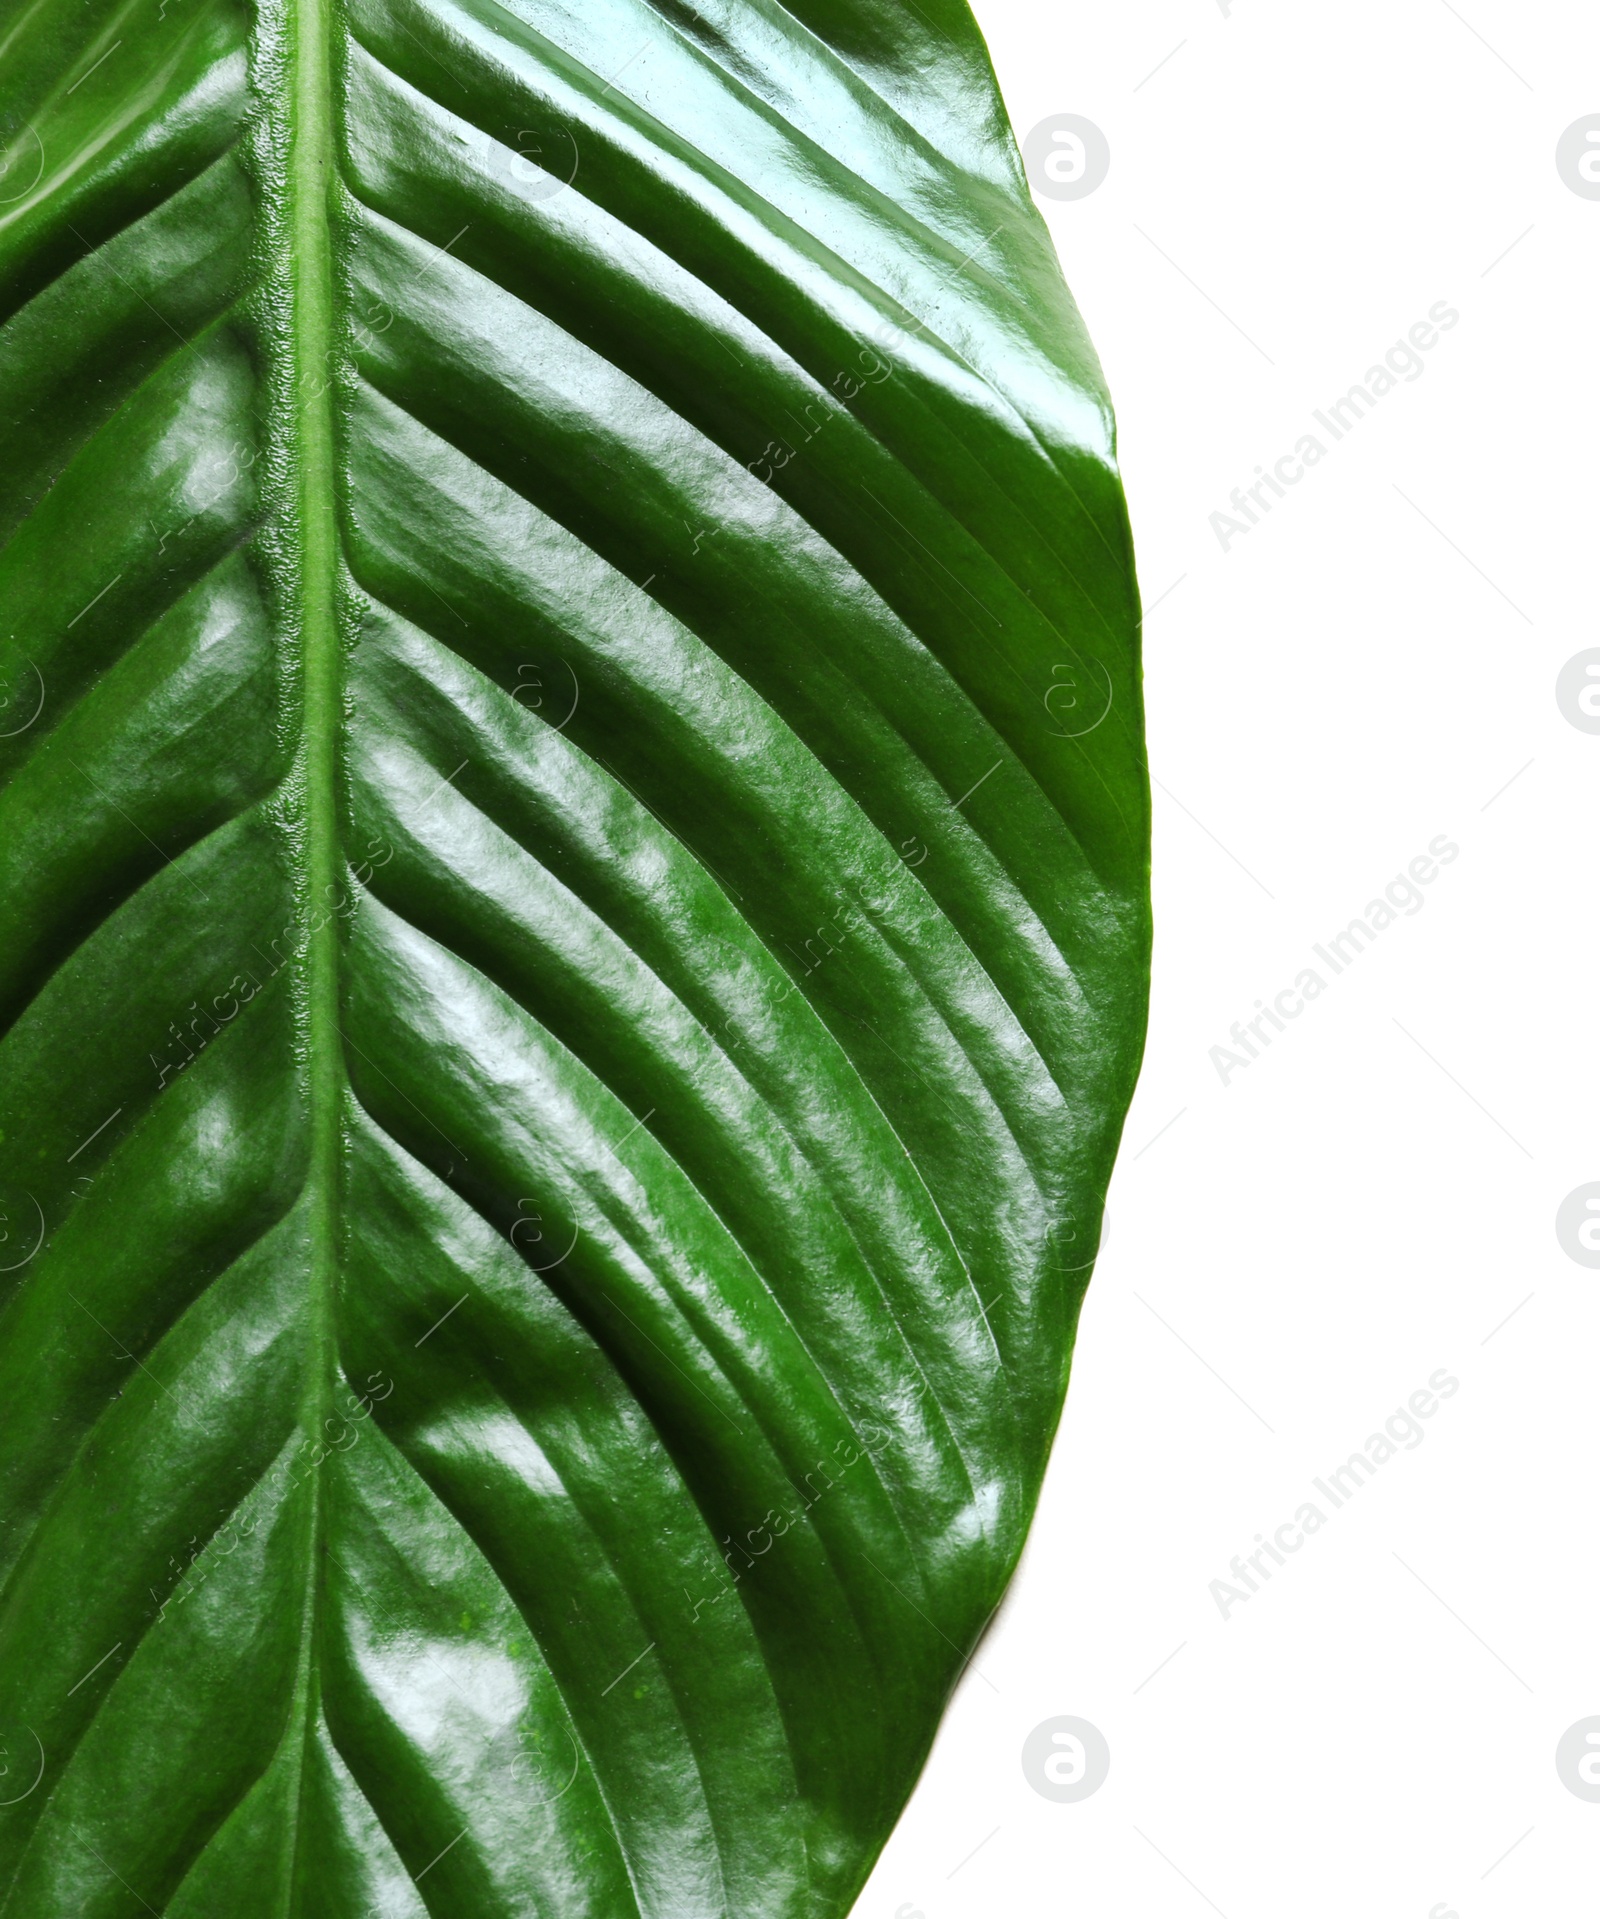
x=308 y=422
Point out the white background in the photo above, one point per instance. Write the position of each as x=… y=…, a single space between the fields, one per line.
x=1292 y=1254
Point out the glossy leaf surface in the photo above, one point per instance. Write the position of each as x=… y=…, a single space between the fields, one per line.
x=573 y=862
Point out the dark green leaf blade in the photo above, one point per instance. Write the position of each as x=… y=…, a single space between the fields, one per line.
x=574 y=845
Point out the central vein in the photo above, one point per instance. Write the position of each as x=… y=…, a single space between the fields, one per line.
x=315 y=532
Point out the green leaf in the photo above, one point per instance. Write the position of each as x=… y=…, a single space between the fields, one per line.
x=573 y=848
